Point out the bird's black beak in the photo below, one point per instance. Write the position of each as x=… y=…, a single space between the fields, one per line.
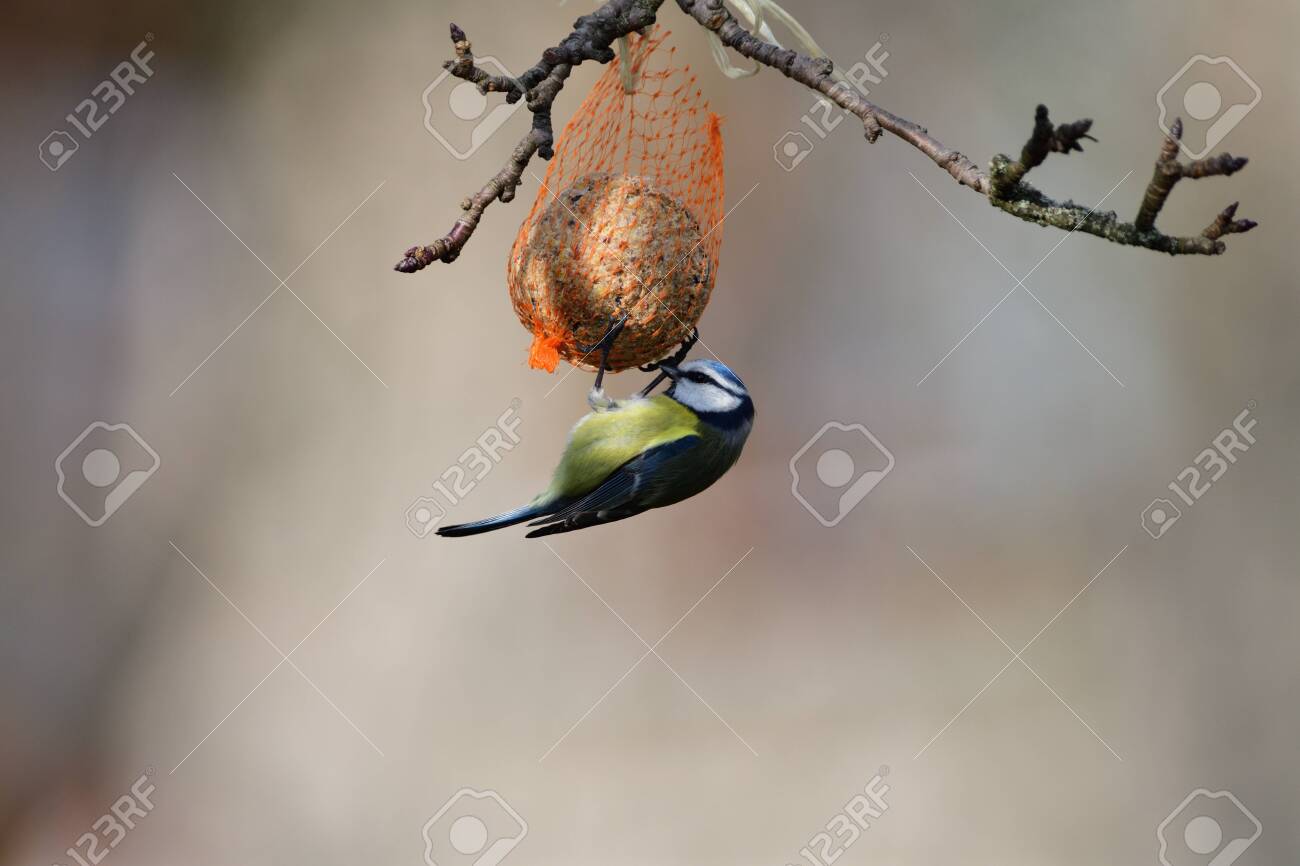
x=670 y=371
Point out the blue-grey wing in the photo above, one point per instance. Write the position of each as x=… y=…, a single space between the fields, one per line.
x=631 y=488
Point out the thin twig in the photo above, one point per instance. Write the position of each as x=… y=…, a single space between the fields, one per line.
x=1012 y=194
x=815 y=72
x=1169 y=171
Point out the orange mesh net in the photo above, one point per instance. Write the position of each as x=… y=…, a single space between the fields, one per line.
x=627 y=221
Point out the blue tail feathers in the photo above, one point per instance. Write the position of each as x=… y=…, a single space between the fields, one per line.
x=510 y=518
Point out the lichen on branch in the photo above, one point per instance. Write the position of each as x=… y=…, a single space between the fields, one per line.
x=1011 y=193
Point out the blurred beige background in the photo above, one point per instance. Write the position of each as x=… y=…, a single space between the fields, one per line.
x=289 y=458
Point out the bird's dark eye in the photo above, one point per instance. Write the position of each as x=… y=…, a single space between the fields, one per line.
x=699 y=378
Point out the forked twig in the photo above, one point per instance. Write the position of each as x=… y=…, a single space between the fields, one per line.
x=1010 y=193
x=591 y=39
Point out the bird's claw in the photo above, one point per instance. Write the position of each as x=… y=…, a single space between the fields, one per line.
x=606 y=342
x=597 y=399
x=673 y=360
x=677 y=357
x=598 y=402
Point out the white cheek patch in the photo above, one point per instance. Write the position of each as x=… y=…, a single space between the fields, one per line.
x=706 y=398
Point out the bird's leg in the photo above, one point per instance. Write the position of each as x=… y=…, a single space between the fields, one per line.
x=596 y=397
x=674 y=360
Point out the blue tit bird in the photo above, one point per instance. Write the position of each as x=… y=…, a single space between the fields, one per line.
x=628 y=456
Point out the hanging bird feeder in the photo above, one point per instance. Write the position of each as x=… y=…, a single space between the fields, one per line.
x=627 y=220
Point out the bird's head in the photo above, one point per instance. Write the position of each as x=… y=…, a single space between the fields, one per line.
x=709 y=389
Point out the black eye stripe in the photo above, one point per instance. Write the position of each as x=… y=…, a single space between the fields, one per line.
x=721 y=386
x=699 y=377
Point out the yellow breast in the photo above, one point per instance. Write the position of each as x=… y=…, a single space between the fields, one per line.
x=605 y=440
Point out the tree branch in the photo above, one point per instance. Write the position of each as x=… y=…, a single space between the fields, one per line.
x=815 y=73
x=1003 y=183
x=1043 y=140
x=1010 y=193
